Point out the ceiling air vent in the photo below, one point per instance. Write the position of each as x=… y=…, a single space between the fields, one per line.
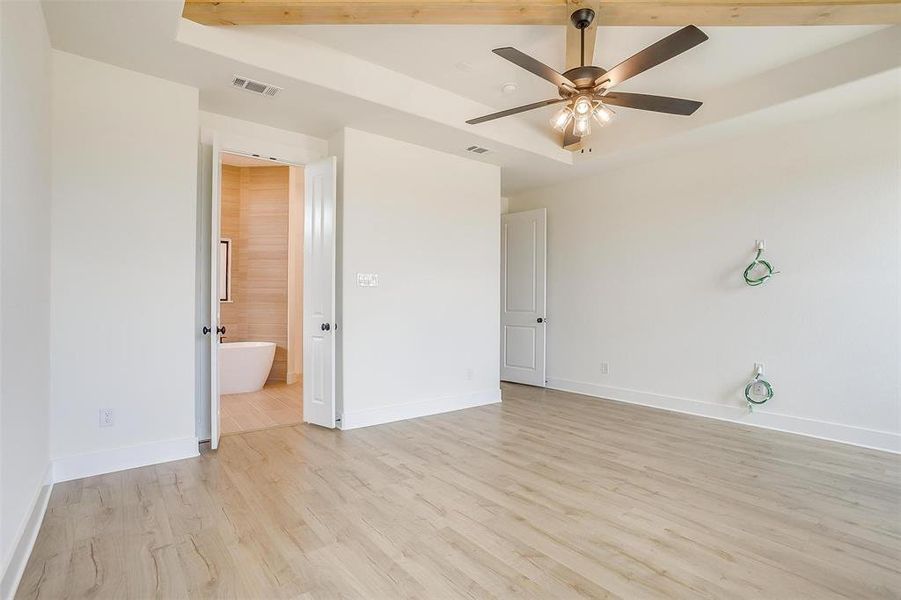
x=477 y=150
x=257 y=87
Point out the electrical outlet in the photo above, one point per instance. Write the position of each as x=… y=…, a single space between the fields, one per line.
x=106 y=417
x=758 y=389
x=605 y=368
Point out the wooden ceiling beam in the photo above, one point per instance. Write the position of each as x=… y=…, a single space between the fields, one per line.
x=543 y=12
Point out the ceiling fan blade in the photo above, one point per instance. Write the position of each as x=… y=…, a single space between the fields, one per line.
x=513 y=111
x=534 y=66
x=667 y=48
x=662 y=104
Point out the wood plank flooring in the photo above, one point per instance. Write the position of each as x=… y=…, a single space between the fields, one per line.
x=547 y=495
x=275 y=405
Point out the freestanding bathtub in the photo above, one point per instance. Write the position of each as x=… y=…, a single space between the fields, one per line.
x=244 y=366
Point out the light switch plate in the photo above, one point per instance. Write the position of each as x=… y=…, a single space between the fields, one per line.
x=367 y=279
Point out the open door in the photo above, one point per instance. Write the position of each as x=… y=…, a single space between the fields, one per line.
x=319 y=327
x=523 y=299
x=215 y=235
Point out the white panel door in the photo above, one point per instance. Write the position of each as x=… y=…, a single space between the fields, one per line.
x=523 y=283
x=215 y=235
x=320 y=181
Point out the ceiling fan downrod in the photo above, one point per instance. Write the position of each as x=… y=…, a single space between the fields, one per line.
x=581 y=19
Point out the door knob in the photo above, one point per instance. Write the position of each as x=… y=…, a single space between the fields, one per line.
x=221 y=330
x=540 y=320
x=206 y=330
x=325 y=327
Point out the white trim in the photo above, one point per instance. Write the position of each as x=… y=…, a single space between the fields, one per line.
x=824 y=430
x=67 y=468
x=215 y=307
x=28 y=534
x=420 y=408
x=278 y=162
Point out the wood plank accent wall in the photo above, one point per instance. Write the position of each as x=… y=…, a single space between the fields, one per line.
x=259 y=232
x=295 y=272
x=230 y=223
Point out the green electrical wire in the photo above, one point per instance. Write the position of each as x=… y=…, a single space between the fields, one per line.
x=750 y=386
x=755 y=281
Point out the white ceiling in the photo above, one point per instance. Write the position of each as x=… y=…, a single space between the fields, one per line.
x=420 y=83
x=459 y=58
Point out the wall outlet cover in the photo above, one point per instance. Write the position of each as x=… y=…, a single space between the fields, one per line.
x=107 y=417
x=605 y=368
x=367 y=279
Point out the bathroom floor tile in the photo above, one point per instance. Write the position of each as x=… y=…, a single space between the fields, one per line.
x=275 y=405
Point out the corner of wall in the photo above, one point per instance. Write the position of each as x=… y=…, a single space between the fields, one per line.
x=25 y=204
x=26 y=537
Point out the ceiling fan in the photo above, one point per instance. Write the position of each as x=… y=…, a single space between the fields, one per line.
x=586 y=90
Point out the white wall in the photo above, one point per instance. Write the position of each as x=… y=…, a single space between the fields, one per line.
x=240 y=136
x=25 y=281
x=123 y=267
x=645 y=273
x=426 y=339
x=269 y=142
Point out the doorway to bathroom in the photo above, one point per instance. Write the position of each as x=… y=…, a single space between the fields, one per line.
x=260 y=268
x=296 y=307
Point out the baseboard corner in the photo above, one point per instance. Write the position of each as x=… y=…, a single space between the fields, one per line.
x=24 y=544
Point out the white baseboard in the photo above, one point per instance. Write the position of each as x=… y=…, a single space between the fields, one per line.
x=420 y=408
x=858 y=436
x=24 y=542
x=118 y=459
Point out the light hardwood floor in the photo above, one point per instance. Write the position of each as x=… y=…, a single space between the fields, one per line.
x=274 y=405
x=548 y=495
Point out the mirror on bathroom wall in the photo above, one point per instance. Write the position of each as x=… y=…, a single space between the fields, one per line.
x=225 y=270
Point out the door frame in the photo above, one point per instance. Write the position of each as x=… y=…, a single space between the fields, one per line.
x=215 y=230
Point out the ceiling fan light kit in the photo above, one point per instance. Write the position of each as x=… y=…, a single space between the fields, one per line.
x=586 y=90
x=581 y=114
